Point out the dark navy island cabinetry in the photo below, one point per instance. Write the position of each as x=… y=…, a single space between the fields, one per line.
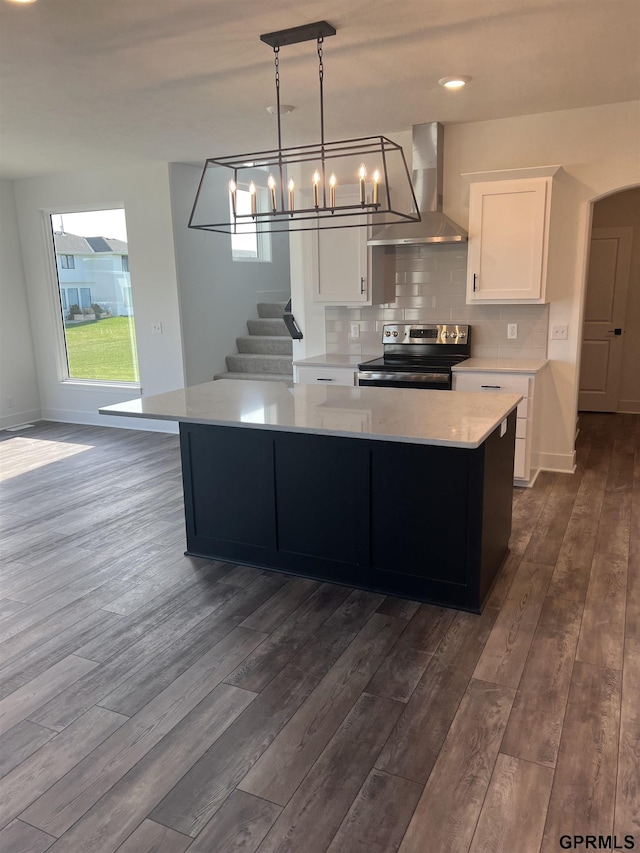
x=401 y=506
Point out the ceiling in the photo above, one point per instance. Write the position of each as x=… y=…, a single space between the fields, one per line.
x=88 y=84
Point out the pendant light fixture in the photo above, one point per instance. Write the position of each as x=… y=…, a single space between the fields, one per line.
x=341 y=184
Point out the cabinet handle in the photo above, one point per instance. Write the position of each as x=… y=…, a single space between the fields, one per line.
x=324 y=379
x=475 y=282
x=361 y=284
x=492 y=386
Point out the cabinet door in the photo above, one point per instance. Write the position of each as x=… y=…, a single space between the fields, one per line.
x=342 y=266
x=507 y=240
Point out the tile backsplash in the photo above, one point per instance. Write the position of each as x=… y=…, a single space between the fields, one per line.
x=431 y=288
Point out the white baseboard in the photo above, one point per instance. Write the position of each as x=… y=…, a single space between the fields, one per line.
x=68 y=416
x=562 y=463
x=20 y=418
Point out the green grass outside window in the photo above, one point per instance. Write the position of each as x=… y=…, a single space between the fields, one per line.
x=103 y=350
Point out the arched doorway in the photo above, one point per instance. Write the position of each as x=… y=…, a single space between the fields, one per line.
x=610 y=354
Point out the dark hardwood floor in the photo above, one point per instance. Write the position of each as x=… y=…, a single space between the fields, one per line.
x=155 y=702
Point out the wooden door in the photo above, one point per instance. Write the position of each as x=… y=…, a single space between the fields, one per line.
x=603 y=329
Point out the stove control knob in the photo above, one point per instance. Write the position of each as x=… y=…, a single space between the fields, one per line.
x=387 y=334
x=453 y=334
x=445 y=334
x=462 y=334
x=395 y=334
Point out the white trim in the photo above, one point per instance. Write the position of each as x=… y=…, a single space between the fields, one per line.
x=561 y=463
x=69 y=416
x=17 y=418
x=107 y=385
x=512 y=174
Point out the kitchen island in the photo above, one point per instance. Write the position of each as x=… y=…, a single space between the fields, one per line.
x=402 y=491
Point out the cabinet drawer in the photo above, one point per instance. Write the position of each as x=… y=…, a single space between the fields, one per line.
x=325 y=376
x=485 y=381
x=520 y=458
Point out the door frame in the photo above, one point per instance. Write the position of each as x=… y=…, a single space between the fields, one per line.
x=623 y=264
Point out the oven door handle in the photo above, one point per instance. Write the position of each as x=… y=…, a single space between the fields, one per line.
x=371 y=376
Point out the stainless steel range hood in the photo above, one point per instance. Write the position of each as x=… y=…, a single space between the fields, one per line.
x=426 y=164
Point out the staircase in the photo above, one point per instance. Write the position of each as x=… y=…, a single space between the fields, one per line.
x=266 y=352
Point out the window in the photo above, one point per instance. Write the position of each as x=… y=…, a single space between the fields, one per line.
x=249 y=243
x=96 y=302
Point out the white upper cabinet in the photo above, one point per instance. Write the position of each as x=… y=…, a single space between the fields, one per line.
x=508 y=238
x=347 y=271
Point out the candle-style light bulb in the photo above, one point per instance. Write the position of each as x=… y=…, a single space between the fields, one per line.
x=292 y=187
x=232 y=193
x=362 y=173
x=252 y=193
x=376 y=181
x=271 y=183
x=332 y=192
x=316 y=182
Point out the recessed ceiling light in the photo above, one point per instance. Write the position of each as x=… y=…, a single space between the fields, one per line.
x=22 y=1
x=456 y=82
x=284 y=108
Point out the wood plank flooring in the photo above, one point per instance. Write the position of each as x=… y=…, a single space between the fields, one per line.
x=155 y=702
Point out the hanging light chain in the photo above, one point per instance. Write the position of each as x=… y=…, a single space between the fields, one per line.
x=276 y=51
x=321 y=80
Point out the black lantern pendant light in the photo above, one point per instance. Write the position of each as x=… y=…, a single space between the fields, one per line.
x=339 y=184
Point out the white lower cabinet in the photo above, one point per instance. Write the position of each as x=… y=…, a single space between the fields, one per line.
x=526 y=466
x=324 y=375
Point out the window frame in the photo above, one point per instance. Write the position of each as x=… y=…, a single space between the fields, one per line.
x=56 y=311
x=263 y=238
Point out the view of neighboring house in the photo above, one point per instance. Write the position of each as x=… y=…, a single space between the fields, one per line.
x=93 y=270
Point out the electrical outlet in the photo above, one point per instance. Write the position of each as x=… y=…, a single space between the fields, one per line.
x=512 y=331
x=156 y=328
x=355 y=330
x=9 y=402
x=559 y=333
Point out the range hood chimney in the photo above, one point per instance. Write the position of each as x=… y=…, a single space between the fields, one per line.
x=426 y=164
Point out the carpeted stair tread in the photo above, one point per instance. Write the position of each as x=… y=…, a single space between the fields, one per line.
x=268 y=344
x=268 y=310
x=249 y=362
x=267 y=326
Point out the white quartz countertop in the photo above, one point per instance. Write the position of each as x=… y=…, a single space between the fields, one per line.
x=333 y=360
x=448 y=418
x=501 y=365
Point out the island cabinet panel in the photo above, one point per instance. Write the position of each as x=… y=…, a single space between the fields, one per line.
x=322 y=495
x=423 y=521
x=228 y=486
x=408 y=490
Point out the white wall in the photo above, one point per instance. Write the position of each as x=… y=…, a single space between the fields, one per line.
x=144 y=193
x=19 y=397
x=599 y=152
x=217 y=294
